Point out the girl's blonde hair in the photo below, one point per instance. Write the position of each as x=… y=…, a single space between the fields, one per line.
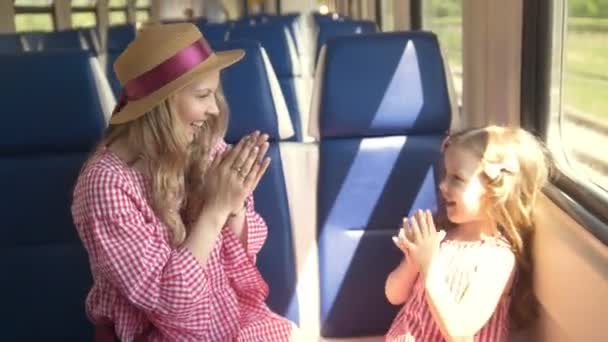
x=173 y=163
x=515 y=166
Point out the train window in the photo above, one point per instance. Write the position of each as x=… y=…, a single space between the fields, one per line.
x=118 y=17
x=142 y=13
x=84 y=13
x=83 y=3
x=84 y=19
x=118 y=12
x=118 y=3
x=34 y=22
x=388 y=19
x=33 y=3
x=444 y=17
x=142 y=16
x=578 y=128
x=34 y=15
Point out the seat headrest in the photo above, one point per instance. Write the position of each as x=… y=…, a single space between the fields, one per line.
x=323 y=18
x=253 y=95
x=119 y=36
x=215 y=33
x=69 y=39
x=278 y=43
x=379 y=85
x=32 y=41
x=51 y=103
x=341 y=27
x=10 y=43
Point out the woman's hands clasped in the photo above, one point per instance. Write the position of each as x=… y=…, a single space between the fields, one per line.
x=234 y=175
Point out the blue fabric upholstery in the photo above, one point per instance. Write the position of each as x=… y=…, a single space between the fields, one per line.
x=45 y=118
x=45 y=136
x=214 y=33
x=248 y=94
x=111 y=57
x=324 y=18
x=276 y=260
x=120 y=36
x=291 y=23
x=247 y=91
x=335 y=28
x=274 y=39
x=403 y=91
x=10 y=43
x=92 y=39
x=69 y=39
x=33 y=40
x=379 y=162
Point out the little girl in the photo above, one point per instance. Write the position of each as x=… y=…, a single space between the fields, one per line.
x=468 y=284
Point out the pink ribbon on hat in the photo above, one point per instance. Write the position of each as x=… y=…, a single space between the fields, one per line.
x=162 y=74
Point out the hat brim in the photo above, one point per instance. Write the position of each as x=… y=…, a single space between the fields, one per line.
x=136 y=108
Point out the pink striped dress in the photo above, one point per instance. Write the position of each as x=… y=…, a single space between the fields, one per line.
x=415 y=323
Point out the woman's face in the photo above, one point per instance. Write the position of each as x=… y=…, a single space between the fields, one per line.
x=196 y=103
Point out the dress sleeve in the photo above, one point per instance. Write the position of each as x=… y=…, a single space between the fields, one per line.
x=256 y=229
x=131 y=252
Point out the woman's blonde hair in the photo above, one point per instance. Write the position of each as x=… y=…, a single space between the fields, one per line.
x=173 y=163
x=516 y=166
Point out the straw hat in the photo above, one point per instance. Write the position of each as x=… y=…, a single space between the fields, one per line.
x=161 y=60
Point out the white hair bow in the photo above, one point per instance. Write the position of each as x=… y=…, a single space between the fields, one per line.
x=493 y=170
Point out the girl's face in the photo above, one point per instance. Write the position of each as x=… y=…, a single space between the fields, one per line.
x=462 y=187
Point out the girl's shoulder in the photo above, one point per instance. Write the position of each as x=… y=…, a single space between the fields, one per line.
x=489 y=244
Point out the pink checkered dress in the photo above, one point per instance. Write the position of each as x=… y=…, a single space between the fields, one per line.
x=415 y=323
x=142 y=284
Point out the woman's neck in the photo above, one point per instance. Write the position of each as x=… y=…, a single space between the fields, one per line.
x=132 y=158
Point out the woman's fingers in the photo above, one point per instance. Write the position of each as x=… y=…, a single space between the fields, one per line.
x=241 y=151
x=247 y=167
x=263 y=144
x=257 y=171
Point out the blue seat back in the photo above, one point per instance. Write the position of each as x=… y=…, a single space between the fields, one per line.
x=111 y=57
x=277 y=42
x=291 y=23
x=254 y=105
x=119 y=36
x=69 y=39
x=33 y=40
x=45 y=136
x=341 y=27
x=381 y=125
x=92 y=39
x=275 y=39
x=324 y=18
x=214 y=33
x=118 y=39
x=10 y=43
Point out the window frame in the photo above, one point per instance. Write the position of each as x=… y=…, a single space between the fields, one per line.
x=586 y=204
x=87 y=9
x=418 y=22
x=48 y=9
x=124 y=9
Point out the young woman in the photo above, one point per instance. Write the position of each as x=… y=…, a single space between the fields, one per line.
x=164 y=207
